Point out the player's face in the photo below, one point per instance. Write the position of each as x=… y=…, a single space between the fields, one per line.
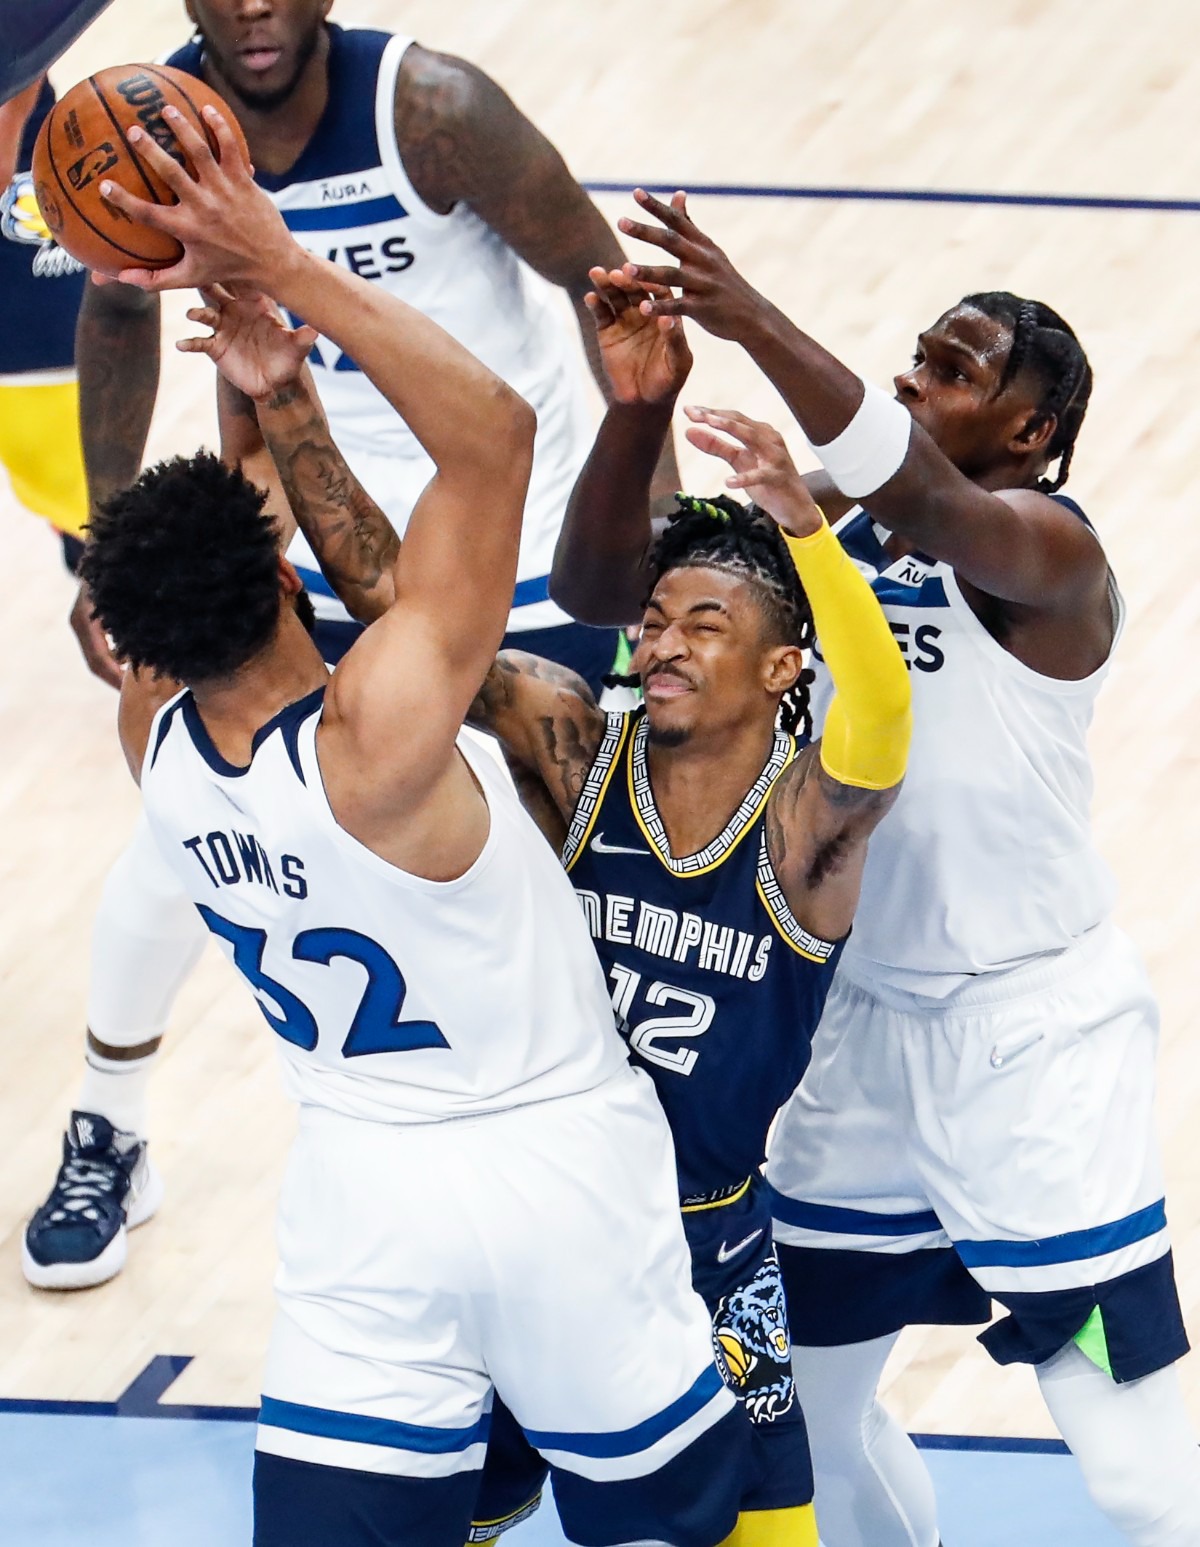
x=260 y=47
x=951 y=390
x=702 y=657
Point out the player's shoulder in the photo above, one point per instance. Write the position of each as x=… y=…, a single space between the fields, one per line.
x=444 y=89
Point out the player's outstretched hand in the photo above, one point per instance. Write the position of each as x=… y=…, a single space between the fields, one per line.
x=762 y=465
x=93 y=641
x=711 y=289
x=228 y=227
x=646 y=359
x=250 y=343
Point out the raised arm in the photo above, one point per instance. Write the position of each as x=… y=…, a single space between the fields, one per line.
x=465 y=141
x=825 y=805
x=599 y=574
x=400 y=695
x=1019 y=546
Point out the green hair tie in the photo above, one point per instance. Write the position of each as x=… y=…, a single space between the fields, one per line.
x=698 y=507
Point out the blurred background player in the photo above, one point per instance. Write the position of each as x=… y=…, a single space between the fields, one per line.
x=417 y=950
x=977 y=1120
x=718 y=867
x=414 y=170
x=33 y=36
x=40 y=291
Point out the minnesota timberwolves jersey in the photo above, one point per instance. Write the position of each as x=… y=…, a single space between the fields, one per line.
x=394 y=998
x=41 y=286
x=348 y=198
x=715 y=984
x=986 y=859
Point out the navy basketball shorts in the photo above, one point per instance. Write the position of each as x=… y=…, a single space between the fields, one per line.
x=535 y=1252
x=736 y=1271
x=995 y=1146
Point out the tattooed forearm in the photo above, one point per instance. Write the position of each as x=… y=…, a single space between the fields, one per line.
x=353 y=539
x=117 y=356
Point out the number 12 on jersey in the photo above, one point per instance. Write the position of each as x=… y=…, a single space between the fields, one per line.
x=646 y=1037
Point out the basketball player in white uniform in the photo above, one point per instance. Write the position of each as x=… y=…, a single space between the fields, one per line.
x=481 y=1195
x=976 y=1122
x=417 y=173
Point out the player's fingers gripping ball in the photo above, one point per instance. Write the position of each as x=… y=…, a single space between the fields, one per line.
x=82 y=144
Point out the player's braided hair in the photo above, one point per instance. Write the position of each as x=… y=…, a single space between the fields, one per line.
x=720 y=533
x=1047 y=347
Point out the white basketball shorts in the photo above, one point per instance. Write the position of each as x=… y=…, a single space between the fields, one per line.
x=1005 y=1134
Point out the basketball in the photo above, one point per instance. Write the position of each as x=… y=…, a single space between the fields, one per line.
x=82 y=142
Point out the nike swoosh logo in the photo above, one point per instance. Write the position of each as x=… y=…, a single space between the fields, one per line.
x=999 y=1057
x=599 y=846
x=726 y=1252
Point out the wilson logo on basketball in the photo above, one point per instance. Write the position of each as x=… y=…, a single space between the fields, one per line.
x=145 y=97
x=90 y=166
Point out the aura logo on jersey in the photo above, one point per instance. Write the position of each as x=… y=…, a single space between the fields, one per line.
x=754 y=1351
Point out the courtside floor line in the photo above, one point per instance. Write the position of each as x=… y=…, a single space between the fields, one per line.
x=142 y=1398
x=1092 y=201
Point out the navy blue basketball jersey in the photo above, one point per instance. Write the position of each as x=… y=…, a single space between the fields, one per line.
x=41 y=286
x=716 y=985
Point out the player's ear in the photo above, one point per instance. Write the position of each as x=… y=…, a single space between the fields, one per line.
x=782 y=667
x=1035 y=434
x=191 y=13
x=289 y=581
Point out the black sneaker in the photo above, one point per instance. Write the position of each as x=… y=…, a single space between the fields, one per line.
x=105 y=1186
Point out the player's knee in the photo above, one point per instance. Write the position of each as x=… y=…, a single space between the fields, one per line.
x=1153 y=1507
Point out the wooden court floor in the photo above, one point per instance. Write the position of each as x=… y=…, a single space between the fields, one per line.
x=1034 y=96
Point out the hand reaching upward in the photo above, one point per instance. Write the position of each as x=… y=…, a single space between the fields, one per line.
x=646 y=359
x=250 y=344
x=761 y=465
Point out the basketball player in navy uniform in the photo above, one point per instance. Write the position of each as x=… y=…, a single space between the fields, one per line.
x=481 y=1194
x=717 y=866
x=416 y=172
x=40 y=290
x=977 y=1120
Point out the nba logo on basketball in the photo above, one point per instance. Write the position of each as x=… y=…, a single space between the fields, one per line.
x=90 y=166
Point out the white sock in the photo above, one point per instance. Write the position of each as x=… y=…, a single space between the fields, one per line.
x=873 y=1489
x=1135 y=1445
x=145 y=940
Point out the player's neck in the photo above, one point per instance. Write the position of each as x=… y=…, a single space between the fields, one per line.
x=235 y=708
x=698 y=786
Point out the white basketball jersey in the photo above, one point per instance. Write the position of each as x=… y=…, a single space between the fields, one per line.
x=348 y=198
x=987 y=858
x=394 y=998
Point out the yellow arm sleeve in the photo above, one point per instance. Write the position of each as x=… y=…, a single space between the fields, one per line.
x=869 y=724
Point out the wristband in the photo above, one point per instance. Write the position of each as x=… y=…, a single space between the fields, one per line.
x=872 y=447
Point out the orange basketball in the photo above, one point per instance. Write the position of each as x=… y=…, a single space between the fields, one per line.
x=82 y=143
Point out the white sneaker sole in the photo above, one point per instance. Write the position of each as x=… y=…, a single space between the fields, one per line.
x=86 y=1275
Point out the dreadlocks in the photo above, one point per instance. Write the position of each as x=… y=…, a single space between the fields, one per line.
x=720 y=533
x=1045 y=346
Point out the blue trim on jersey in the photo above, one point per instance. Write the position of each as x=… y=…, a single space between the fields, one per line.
x=931 y=592
x=630 y=1442
x=315 y=582
x=841 y=1221
x=345 y=217
x=1072 y=1246
x=363 y=1429
x=164 y=725
x=526 y=592
x=289 y=720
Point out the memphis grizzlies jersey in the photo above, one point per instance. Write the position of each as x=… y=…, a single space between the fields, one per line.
x=987 y=858
x=393 y=998
x=41 y=286
x=716 y=985
x=348 y=198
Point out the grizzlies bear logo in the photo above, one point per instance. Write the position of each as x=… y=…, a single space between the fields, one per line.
x=754 y=1351
x=32 y=218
